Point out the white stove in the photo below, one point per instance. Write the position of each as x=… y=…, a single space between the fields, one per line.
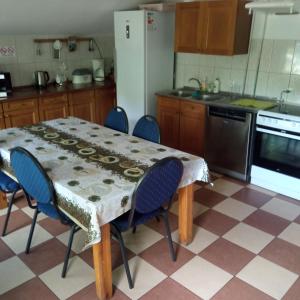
x=276 y=158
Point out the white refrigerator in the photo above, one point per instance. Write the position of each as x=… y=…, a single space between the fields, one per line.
x=144 y=59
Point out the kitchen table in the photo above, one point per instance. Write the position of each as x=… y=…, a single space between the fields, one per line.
x=94 y=171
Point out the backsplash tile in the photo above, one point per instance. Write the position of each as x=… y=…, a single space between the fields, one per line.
x=27 y=61
x=277 y=69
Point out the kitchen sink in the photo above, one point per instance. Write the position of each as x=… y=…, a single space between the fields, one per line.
x=181 y=93
x=194 y=94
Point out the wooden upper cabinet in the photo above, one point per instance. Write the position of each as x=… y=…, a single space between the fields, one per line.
x=53 y=107
x=82 y=105
x=21 y=113
x=188 y=27
x=223 y=27
x=168 y=116
x=105 y=101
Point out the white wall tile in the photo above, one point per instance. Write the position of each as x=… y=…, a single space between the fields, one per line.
x=239 y=62
x=262 y=83
x=255 y=46
x=294 y=96
x=237 y=80
x=296 y=61
x=223 y=61
x=224 y=76
x=250 y=82
x=266 y=56
x=282 y=56
x=277 y=83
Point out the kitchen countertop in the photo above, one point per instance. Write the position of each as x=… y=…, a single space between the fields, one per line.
x=52 y=89
x=225 y=100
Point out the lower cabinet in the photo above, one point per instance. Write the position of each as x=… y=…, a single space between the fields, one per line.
x=21 y=113
x=182 y=124
x=82 y=105
x=105 y=101
x=53 y=107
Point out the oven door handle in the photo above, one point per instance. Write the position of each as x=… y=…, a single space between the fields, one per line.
x=283 y=134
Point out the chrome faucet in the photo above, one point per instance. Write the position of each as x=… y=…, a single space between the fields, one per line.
x=197 y=80
x=281 y=100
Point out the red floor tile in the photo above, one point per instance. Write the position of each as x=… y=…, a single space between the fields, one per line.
x=237 y=289
x=243 y=183
x=267 y=222
x=297 y=220
x=21 y=202
x=17 y=220
x=45 y=256
x=116 y=257
x=227 y=256
x=158 y=255
x=294 y=292
x=160 y=227
x=89 y=293
x=55 y=227
x=208 y=198
x=5 y=251
x=284 y=254
x=252 y=197
x=215 y=222
x=169 y=290
x=33 y=289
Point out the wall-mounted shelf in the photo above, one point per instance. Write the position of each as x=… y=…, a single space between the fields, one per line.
x=63 y=40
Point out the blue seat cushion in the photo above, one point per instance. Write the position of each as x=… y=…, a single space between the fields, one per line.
x=50 y=211
x=122 y=222
x=7 y=184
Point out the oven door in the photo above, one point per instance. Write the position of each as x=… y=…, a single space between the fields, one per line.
x=277 y=150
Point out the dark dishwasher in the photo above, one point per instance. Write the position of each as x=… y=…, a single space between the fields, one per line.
x=227 y=141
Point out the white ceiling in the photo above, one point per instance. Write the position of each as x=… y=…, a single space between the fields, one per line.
x=61 y=16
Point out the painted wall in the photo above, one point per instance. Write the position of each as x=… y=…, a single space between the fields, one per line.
x=26 y=61
x=278 y=68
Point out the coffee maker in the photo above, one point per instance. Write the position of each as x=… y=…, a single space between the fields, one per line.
x=5 y=84
x=98 y=69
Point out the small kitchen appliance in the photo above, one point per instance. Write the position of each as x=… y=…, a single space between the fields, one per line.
x=98 y=69
x=276 y=158
x=5 y=84
x=41 y=79
x=81 y=76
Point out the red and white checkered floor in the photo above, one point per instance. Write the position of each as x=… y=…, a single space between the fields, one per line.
x=246 y=247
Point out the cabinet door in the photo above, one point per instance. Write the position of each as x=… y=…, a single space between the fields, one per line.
x=168 y=119
x=82 y=105
x=105 y=101
x=21 y=113
x=53 y=107
x=219 y=27
x=188 y=27
x=192 y=127
x=2 y=122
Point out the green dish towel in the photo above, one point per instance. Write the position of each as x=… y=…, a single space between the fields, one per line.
x=253 y=103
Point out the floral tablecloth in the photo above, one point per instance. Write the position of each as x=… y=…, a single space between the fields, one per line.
x=94 y=169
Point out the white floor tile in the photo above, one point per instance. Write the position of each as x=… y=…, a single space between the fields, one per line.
x=201 y=277
x=144 y=277
x=248 y=237
x=79 y=275
x=291 y=234
x=4 y=210
x=143 y=238
x=198 y=208
x=30 y=212
x=235 y=209
x=201 y=239
x=17 y=240
x=225 y=187
x=78 y=241
x=13 y=273
x=282 y=209
x=267 y=277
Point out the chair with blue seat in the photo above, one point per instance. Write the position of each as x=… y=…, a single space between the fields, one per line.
x=117 y=120
x=152 y=197
x=8 y=186
x=147 y=128
x=37 y=185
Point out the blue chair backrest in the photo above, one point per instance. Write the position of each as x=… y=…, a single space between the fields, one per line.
x=117 y=120
x=158 y=185
x=147 y=128
x=31 y=175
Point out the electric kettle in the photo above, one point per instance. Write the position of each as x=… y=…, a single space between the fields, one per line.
x=41 y=79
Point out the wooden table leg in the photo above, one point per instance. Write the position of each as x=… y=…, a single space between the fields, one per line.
x=102 y=264
x=3 y=200
x=186 y=197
